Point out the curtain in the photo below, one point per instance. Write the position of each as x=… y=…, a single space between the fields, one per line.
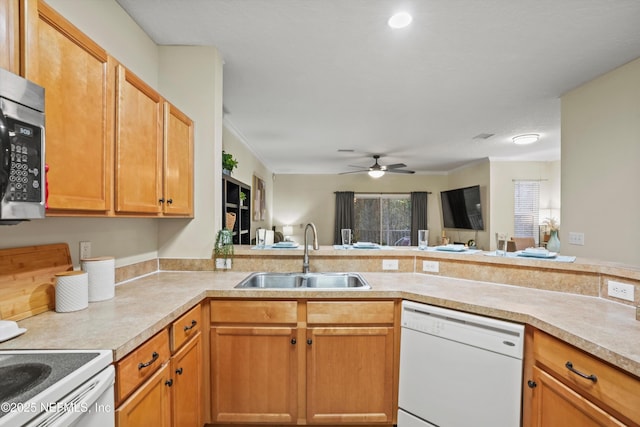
x=418 y=214
x=345 y=217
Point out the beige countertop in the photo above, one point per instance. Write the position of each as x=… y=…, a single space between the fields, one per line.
x=145 y=305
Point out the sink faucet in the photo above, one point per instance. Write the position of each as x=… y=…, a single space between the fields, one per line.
x=305 y=259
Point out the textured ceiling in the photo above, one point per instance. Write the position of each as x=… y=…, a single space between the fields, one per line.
x=305 y=78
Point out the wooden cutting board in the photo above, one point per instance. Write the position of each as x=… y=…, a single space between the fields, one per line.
x=27 y=278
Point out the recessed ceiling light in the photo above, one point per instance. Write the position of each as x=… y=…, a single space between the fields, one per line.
x=400 y=20
x=529 y=138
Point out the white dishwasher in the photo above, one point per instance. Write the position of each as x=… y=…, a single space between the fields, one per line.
x=458 y=369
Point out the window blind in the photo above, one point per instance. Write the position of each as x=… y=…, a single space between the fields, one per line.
x=526 y=209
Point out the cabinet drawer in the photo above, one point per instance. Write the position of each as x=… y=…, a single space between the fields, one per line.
x=613 y=388
x=254 y=312
x=187 y=326
x=141 y=363
x=356 y=312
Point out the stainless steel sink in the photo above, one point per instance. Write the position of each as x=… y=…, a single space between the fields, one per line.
x=304 y=281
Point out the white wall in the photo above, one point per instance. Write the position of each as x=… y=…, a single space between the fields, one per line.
x=191 y=78
x=601 y=166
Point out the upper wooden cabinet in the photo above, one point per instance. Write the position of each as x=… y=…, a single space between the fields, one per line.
x=139 y=115
x=114 y=145
x=77 y=75
x=178 y=162
x=154 y=151
x=10 y=35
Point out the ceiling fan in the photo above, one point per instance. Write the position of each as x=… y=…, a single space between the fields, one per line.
x=377 y=170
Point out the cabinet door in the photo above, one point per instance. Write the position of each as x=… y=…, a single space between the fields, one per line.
x=150 y=404
x=350 y=375
x=138 y=146
x=10 y=35
x=253 y=374
x=186 y=368
x=178 y=162
x=78 y=77
x=554 y=404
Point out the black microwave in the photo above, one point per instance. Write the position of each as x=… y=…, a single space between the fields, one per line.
x=22 y=161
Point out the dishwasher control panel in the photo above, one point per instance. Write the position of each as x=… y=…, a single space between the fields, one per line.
x=483 y=332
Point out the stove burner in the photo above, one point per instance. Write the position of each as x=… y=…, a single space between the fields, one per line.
x=20 y=377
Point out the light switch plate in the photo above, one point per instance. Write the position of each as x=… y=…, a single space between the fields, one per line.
x=85 y=250
x=576 y=238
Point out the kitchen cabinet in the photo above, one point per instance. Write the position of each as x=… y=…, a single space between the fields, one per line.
x=154 y=151
x=254 y=361
x=78 y=77
x=350 y=362
x=162 y=387
x=150 y=405
x=304 y=362
x=231 y=203
x=139 y=115
x=10 y=35
x=177 y=162
x=570 y=387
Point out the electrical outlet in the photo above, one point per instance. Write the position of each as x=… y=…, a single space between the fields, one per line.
x=223 y=263
x=431 y=266
x=576 y=238
x=621 y=290
x=389 y=264
x=85 y=250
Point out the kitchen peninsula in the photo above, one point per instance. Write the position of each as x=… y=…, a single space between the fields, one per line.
x=577 y=315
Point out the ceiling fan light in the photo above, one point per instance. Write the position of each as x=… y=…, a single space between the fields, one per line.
x=529 y=138
x=400 y=20
x=377 y=173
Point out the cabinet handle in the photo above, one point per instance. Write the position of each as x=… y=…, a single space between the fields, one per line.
x=532 y=384
x=590 y=377
x=193 y=324
x=309 y=341
x=170 y=201
x=160 y=200
x=154 y=357
x=293 y=341
x=168 y=382
x=179 y=371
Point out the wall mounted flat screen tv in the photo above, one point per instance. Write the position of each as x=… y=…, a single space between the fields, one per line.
x=461 y=208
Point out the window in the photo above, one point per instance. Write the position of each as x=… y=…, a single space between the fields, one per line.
x=383 y=218
x=526 y=209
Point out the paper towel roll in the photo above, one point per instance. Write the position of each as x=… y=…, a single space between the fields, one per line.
x=72 y=291
x=102 y=277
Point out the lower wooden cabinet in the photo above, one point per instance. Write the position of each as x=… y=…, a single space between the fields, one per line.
x=255 y=374
x=303 y=362
x=150 y=404
x=568 y=387
x=350 y=375
x=186 y=389
x=157 y=388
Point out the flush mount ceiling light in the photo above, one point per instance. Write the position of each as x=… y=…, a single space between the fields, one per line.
x=400 y=20
x=529 y=138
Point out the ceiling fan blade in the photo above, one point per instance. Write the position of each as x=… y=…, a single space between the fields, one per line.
x=401 y=171
x=358 y=171
x=396 y=166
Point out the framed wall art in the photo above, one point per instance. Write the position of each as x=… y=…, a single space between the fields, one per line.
x=259 y=205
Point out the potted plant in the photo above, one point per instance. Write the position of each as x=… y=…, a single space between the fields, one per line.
x=243 y=197
x=223 y=249
x=228 y=163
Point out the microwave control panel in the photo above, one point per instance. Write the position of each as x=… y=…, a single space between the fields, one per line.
x=25 y=180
